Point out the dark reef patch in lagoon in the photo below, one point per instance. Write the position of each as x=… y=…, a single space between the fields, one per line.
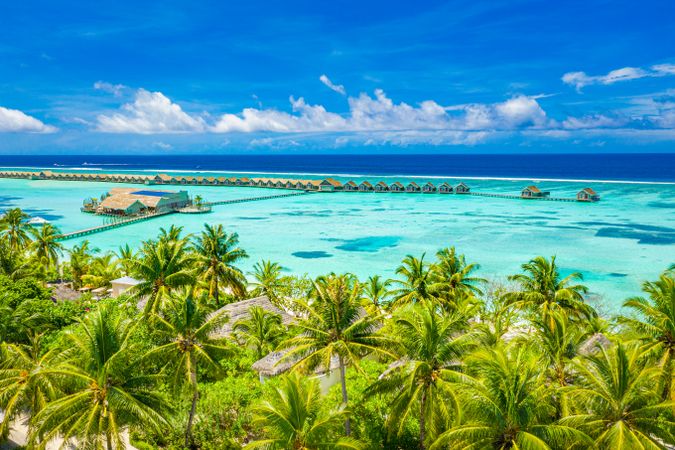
x=251 y=218
x=312 y=255
x=368 y=244
x=617 y=275
x=665 y=205
x=653 y=238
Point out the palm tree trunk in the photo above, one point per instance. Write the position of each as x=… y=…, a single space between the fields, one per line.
x=215 y=292
x=423 y=425
x=345 y=399
x=195 y=397
x=108 y=439
x=666 y=394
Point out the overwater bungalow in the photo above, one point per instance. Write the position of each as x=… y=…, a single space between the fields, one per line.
x=163 y=178
x=280 y=184
x=587 y=195
x=381 y=186
x=534 y=192
x=45 y=175
x=365 y=186
x=351 y=186
x=396 y=187
x=132 y=201
x=462 y=188
x=313 y=185
x=330 y=185
x=243 y=181
x=222 y=181
x=413 y=187
x=290 y=184
x=429 y=188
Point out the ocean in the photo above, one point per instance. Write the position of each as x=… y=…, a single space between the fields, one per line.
x=626 y=238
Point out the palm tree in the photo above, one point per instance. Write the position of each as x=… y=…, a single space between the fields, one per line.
x=654 y=325
x=105 y=394
x=14 y=229
x=23 y=383
x=375 y=294
x=418 y=284
x=509 y=408
x=433 y=345
x=186 y=329
x=543 y=291
x=261 y=329
x=455 y=274
x=162 y=267
x=80 y=257
x=102 y=271
x=295 y=418
x=335 y=326
x=126 y=257
x=173 y=233
x=13 y=264
x=45 y=244
x=618 y=401
x=217 y=252
x=268 y=281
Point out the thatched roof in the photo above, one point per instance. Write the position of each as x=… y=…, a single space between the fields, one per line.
x=240 y=310
x=594 y=343
x=274 y=364
x=64 y=292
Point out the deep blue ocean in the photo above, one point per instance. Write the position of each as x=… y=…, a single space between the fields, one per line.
x=626 y=167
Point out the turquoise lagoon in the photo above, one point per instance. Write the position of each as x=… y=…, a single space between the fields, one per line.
x=617 y=243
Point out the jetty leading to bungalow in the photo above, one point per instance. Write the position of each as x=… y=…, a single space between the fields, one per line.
x=122 y=202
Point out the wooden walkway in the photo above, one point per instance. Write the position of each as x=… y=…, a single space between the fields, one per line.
x=121 y=223
x=519 y=197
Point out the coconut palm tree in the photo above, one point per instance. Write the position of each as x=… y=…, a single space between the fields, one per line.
x=15 y=229
x=543 y=291
x=509 y=408
x=173 y=233
x=654 y=325
x=418 y=284
x=80 y=258
x=375 y=294
x=105 y=394
x=454 y=273
x=186 y=329
x=162 y=267
x=45 y=244
x=15 y=265
x=433 y=344
x=126 y=257
x=217 y=252
x=268 y=280
x=334 y=326
x=23 y=384
x=261 y=330
x=294 y=417
x=618 y=402
x=102 y=271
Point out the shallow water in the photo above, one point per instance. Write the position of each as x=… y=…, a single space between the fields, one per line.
x=617 y=243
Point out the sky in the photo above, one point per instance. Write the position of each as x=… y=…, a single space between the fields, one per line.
x=465 y=76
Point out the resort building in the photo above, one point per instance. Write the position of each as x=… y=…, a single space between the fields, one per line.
x=445 y=188
x=587 y=195
x=396 y=187
x=351 y=186
x=413 y=187
x=381 y=187
x=121 y=285
x=132 y=202
x=534 y=192
x=462 y=188
x=365 y=186
x=330 y=184
x=242 y=310
x=429 y=188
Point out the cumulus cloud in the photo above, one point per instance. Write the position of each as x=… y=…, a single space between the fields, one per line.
x=380 y=113
x=15 y=121
x=581 y=79
x=115 y=89
x=340 y=89
x=593 y=121
x=150 y=113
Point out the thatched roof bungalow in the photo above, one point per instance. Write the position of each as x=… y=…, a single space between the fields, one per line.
x=381 y=186
x=462 y=188
x=330 y=184
x=429 y=188
x=396 y=187
x=533 y=192
x=587 y=195
x=241 y=310
x=413 y=187
x=351 y=186
x=365 y=186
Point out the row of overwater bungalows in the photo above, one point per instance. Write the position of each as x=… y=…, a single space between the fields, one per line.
x=325 y=185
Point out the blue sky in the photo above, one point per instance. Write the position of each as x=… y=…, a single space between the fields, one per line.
x=349 y=76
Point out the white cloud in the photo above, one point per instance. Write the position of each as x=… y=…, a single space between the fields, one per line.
x=340 y=89
x=15 y=121
x=115 y=89
x=150 y=113
x=581 y=79
x=162 y=145
x=380 y=113
x=593 y=121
